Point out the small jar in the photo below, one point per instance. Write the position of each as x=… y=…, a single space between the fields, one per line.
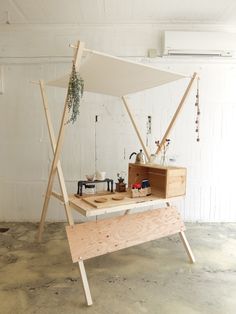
x=89 y=189
x=153 y=159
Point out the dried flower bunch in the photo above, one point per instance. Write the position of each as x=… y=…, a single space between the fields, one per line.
x=163 y=149
x=74 y=94
x=165 y=146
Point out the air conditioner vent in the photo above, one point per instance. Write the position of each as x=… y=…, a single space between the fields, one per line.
x=203 y=44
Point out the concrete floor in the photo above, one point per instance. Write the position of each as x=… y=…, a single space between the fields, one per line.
x=153 y=278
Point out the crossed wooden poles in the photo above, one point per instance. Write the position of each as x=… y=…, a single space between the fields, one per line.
x=56 y=168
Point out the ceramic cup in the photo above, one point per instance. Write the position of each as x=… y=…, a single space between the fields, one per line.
x=100 y=175
x=90 y=177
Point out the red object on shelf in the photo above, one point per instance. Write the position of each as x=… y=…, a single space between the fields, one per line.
x=136 y=186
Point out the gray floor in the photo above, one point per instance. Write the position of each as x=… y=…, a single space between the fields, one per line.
x=151 y=278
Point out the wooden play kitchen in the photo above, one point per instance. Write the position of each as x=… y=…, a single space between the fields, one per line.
x=109 y=75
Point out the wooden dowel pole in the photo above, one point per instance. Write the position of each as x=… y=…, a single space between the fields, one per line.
x=187 y=91
x=135 y=127
x=86 y=288
x=187 y=247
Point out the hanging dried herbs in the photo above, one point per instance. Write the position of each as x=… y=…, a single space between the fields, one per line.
x=74 y=94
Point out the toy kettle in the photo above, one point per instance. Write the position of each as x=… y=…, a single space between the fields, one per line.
x=140 y=157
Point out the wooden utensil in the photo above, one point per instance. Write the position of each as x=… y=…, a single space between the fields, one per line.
x=118 y=197
x=100 y=200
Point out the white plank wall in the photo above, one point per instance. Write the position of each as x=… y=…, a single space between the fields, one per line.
x=25 y=152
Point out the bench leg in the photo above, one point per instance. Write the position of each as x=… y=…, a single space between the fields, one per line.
x=85 y=283
x=187 y=247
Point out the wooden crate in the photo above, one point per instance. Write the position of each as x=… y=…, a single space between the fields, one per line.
x=140 y=192
x=165 y=182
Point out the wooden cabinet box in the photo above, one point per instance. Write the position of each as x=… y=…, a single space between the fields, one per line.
x=165 y=182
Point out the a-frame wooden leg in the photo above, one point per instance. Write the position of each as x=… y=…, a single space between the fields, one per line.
x=187 y=247
x=53 y=171
x=86 y=289
x=59 y=168
x=185 y=243
x=57 y=149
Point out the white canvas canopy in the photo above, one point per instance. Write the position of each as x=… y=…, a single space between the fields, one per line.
x=109 y=75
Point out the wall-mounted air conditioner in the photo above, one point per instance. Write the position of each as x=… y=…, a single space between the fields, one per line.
x=179 y=43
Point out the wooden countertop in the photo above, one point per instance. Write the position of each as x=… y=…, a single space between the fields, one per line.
x=88 y=210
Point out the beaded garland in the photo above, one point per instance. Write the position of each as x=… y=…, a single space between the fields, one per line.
x=197 y=119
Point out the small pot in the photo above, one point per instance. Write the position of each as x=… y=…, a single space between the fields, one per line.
x=140 y=157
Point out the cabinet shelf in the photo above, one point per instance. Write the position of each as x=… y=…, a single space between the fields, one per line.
x=165 y=181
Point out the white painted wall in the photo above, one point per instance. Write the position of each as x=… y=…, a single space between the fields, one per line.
x=31 y=53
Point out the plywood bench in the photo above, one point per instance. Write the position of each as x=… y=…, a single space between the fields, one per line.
x=91 y=239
